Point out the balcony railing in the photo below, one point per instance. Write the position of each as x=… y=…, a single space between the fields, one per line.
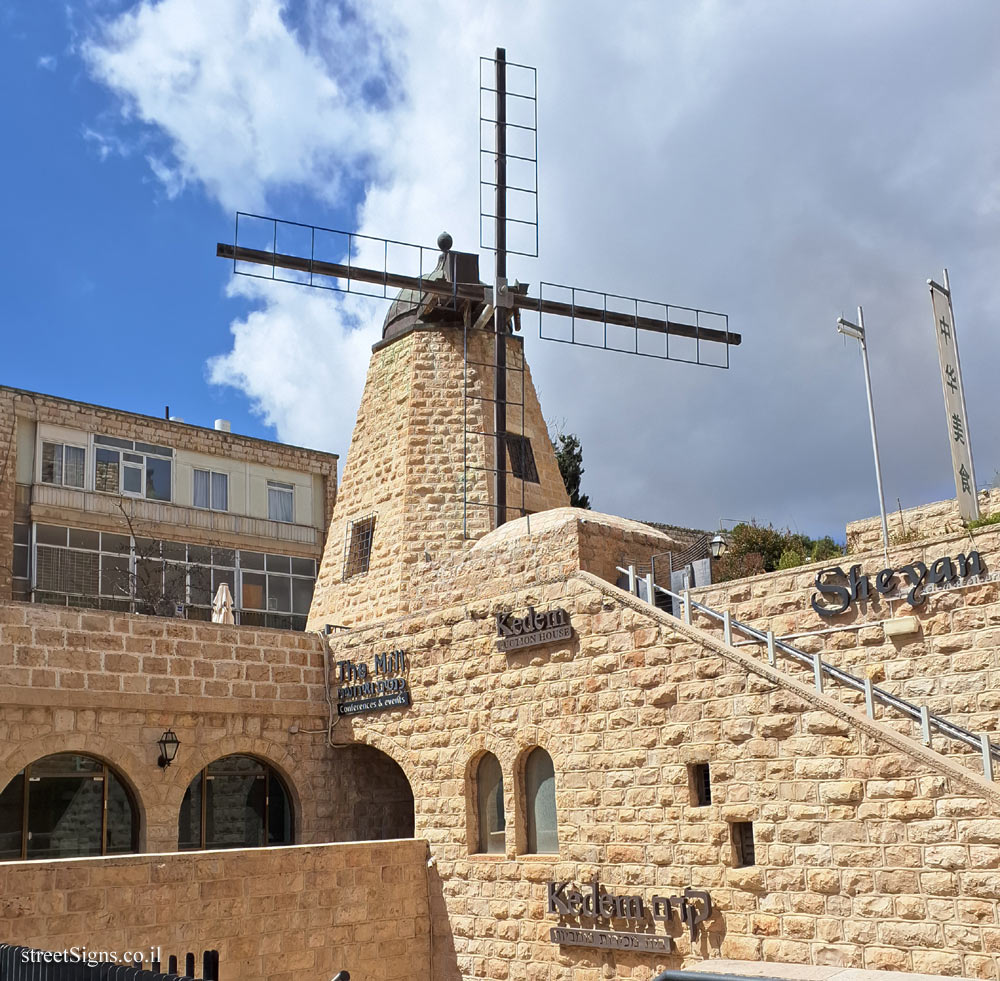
x=159 y=513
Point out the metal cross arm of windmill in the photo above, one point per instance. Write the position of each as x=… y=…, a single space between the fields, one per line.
x=318 y=270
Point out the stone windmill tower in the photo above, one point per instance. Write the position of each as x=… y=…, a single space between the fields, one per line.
x=419 y=481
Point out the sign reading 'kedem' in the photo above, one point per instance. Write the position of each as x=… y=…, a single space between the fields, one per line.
x=514 y=633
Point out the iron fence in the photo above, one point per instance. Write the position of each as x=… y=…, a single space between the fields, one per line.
x=80 y=964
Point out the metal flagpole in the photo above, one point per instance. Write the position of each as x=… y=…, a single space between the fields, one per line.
x=858 y=331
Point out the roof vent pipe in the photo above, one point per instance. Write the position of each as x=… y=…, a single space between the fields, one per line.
x=223 y=425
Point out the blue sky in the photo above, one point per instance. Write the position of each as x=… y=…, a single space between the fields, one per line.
x=781 y=162
x=112 y=290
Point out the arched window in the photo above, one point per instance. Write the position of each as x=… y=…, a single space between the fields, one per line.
x=235 y=802
x=64 y=806
x=540 y=802
x=489 y=790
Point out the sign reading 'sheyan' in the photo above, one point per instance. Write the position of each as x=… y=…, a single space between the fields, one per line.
x=918 y=579
x=513 y=632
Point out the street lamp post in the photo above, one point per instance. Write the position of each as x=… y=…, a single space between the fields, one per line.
x=857 y=331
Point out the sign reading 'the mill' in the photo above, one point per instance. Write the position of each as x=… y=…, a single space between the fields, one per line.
x=514 y=633
x=384 y=687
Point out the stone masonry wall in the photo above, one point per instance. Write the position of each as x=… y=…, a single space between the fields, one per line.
x=871 y=850
x=951 y=664
x=108 y=685
x=290 y=914
x=926 y=521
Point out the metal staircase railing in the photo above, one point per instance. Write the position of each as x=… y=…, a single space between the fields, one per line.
x=929 y=722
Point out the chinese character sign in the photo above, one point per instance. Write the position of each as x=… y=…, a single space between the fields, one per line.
x=954 y=402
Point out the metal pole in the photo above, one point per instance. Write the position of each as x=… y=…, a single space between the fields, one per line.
x=500 y=311
x=871 y=416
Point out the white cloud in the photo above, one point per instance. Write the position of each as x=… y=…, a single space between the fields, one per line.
x=781 y=162
x=47 y=62
x=301 y=359
x=244 y=106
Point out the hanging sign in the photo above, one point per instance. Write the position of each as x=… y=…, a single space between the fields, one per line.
x=954 y=401
x=384 y=687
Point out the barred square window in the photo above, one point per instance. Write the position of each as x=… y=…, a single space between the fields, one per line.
x=522 y=458
x=743 y=849
x=358 y=545
x=701 y=784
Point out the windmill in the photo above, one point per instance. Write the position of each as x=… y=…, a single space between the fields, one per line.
x=327 y=258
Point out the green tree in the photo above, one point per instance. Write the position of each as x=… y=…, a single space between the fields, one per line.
x=569 y=456
x=754 y=549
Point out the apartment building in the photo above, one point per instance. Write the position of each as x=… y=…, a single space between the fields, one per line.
x=120 y=511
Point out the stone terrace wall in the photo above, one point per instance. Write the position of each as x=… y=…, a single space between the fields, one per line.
x=108 y=685
x=290 y=914
x=952 y=664
x=871 y=851
x=926 y=521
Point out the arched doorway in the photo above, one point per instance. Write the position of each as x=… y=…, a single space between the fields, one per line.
x=376 y=798
x=65 y=806
x=235 y=802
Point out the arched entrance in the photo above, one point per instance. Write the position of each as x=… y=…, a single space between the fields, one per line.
x=376 y=799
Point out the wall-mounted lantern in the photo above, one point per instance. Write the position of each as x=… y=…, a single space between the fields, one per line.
x=718 y=545
x=168 y=743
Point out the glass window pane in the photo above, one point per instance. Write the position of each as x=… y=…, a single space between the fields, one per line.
x=52 y=460
x=11 y=817
x=51 y=535
x=189 y=824
x=279 y=593
x=118 y=544
x=251 y=560
x=201 y=489
x=22 y=534
x=91 y=540
x=121 y=820
x=174 y=550
x=175 y=585
x=279 y=563
x=21 y=553
x=279 y=502
x=279 y=812
x=227 y=576
x=125 y=444
x=106 y=466
x=200 y=578
x=158 y=479
x=492 y=822
x=131 y=479
x=220 y=491
x=153 y=448
x=253 y=591
x=148 y=580
x=302 y=593
x=64 y=814
x=133 y=458
x=115 y=577
x=201 y=554
x=224 y=557
x=303 y=567
x=234 y=811
x=74 y=466
x=540 y=788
